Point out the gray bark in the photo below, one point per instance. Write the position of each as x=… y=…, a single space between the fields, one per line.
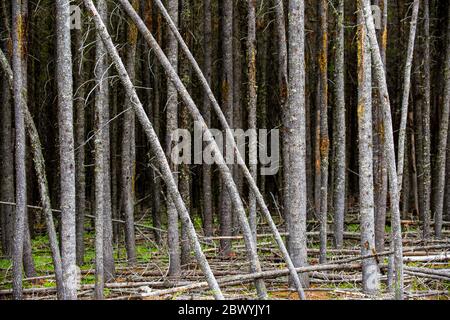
x=297 y=137
x=102 y=101
x=227 y=106
x=426 y=136
x=20 y=170
x=252 y=103
x=380 y=171
x=324 y=139
x=171 y=125
x=370 y=277
x=99 y=198
x=66 y=142
x=207 y=70
x=380 y=77
x=80 y=172
x=340 y=140
x=129 y=150
x=406 y=89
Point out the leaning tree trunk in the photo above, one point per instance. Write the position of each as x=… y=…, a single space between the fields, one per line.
x=156 y=146
x=66 y=146
x=380 y=77
x=340 y=144
x=20 y=142
x=438 y=201
x=370 y=278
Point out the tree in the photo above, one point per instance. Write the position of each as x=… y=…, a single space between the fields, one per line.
x=66 y=146
x=324 y=139
x=340 y=130
x=20 y=170
x=129 y=150
x=207 y=70
x=297 y=136
x=171 y=126
x=369 y=269
x=252 y=103
x=406 y=89
x=227 y=105
x=426 y=125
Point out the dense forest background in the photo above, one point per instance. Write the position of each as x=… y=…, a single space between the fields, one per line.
x=83 y=181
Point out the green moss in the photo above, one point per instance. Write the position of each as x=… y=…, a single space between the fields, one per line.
x=354 y=227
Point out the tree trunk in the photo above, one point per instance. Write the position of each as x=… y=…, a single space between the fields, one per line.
x=102 y=96
x=380 y=171
x=340 y=142
x=227 y=105
x=297 y=136
x=20 y=144
x=80 y=172
x=185 y=176
x=324 y=140
x=129 y=149
x=66 y=141
x=171 y=126
x=406 y=89
x=208 y=219
x=252 y=103
x=426 y=136
x=370 y=277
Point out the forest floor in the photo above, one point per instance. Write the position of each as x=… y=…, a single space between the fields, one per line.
x=148 y=279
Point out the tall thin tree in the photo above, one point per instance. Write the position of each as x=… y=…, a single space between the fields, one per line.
x=66 y=146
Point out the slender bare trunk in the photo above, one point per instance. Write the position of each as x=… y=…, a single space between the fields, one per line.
x=340 y=157
x=370 y=276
